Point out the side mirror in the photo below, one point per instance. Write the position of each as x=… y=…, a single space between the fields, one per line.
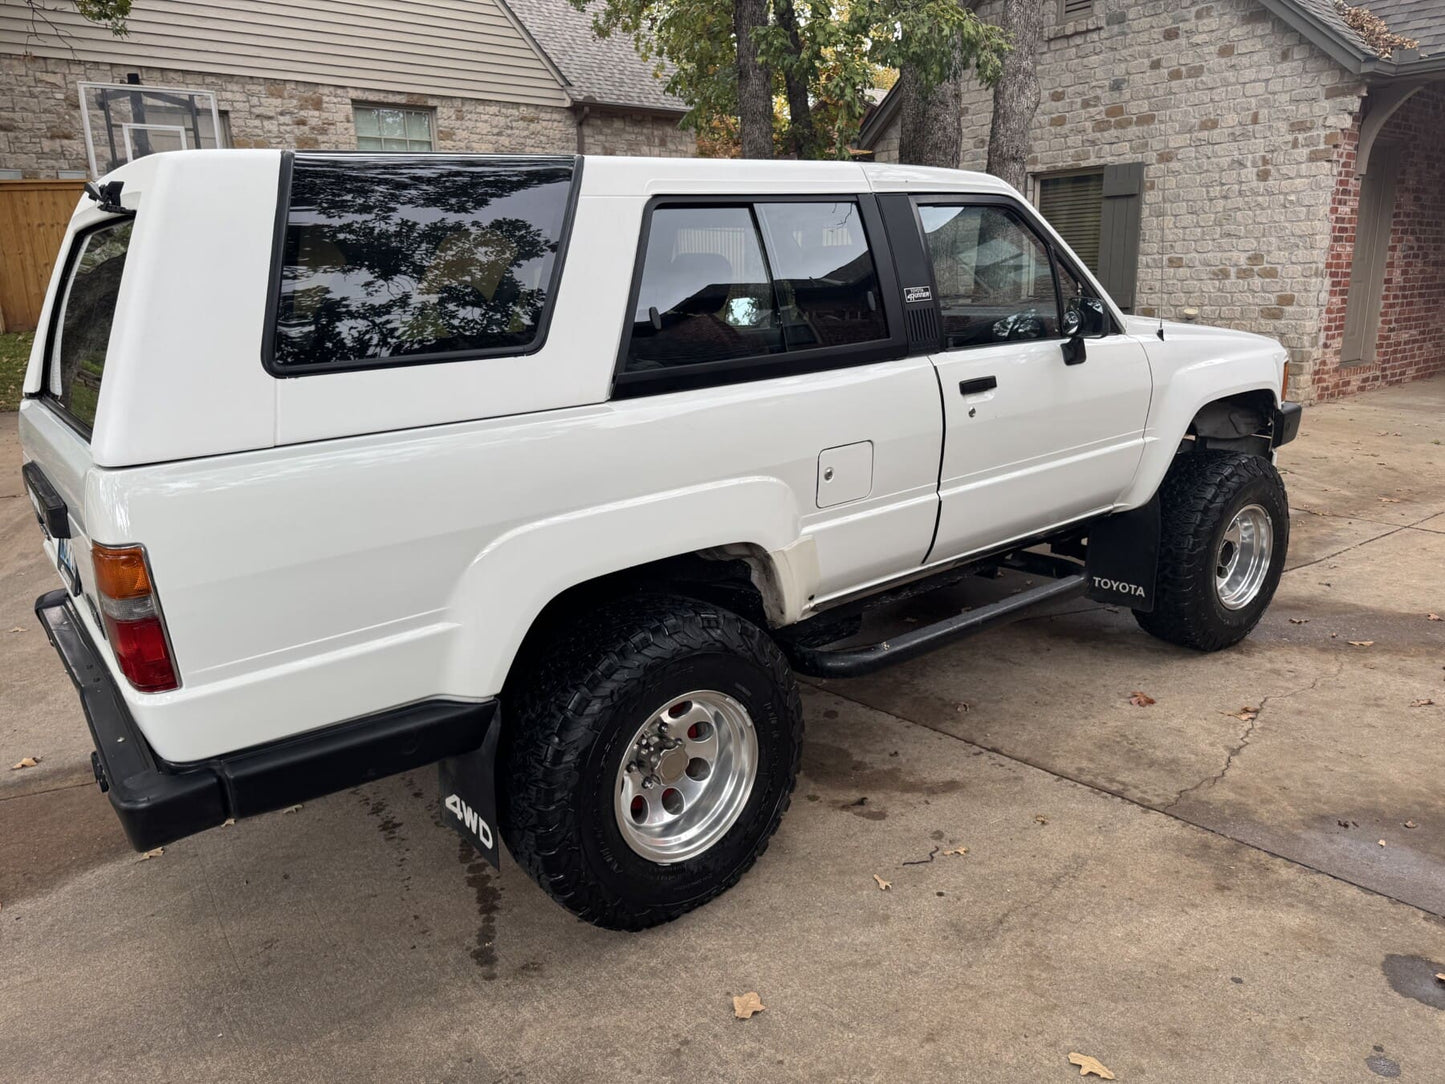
x=1085 y=317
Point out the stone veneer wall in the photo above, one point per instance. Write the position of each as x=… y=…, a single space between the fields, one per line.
x=1411 y=340
x=638 y=134
x=40 y=126
x=1237 y=119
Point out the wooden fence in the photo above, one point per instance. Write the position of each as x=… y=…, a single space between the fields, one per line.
x=33 y=217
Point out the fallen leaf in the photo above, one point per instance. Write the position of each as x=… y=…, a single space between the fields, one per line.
x=1299 y=620
x=1140 y=700
x=1089 y=1065
x=228 y=822
x=963 y=708
x=1362 y=643
x=1424 y=702
x=292 y=808
x=1440 y=976
x=956 y=850
x=1411 y=824
x=1434 y=617
x=1041 y=818
x=156 y=853
x=1343 y=824
x=883 y=886
x=1389 y=500
x=1244 y=715
x=25 y=762
x=17 y=628
x=1382 y=843
x=748 y=1005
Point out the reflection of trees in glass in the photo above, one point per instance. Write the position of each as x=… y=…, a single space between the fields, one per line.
x=89 y=310
x=391 y=258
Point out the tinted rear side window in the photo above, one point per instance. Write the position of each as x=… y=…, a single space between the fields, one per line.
x=82 y=333
x=395 y=260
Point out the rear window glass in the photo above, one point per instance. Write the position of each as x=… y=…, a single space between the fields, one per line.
x=417 y=258
x=82 y=335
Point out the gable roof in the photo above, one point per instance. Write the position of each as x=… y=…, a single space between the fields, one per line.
x=1321 y=22
x=600 y=71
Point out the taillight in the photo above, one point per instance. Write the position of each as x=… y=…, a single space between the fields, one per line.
x=132 y=615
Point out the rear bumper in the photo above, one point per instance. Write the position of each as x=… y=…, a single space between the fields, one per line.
x=158 y=802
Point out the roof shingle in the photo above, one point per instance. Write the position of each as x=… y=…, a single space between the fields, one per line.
x=604 y=70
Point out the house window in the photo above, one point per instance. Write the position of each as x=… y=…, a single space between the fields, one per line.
x=392 y=128
x=1097 y=213
x=1075 y=9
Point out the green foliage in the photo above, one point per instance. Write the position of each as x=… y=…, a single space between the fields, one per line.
x=111 y=14
x=844 y=49
x=14 y=356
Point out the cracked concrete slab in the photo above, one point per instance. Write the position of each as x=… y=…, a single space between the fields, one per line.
x=1336 y=739
x=356 y=939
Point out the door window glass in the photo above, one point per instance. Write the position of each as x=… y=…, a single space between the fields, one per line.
x=994 y=278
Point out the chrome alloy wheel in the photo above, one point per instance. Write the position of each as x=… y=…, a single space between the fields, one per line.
x=686 y=776
x=1242 y=561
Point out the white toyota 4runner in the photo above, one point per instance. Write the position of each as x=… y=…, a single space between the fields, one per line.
x=552 y=471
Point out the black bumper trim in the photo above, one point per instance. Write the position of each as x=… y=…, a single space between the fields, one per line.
x=1286 y=422
x=159 y=802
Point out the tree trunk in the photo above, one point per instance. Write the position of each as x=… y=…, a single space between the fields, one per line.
x=930 y=122
x=1016 y=97
x=801 y=133
x=755 y=83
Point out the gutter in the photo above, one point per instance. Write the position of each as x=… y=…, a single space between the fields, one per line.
x=1348 y=51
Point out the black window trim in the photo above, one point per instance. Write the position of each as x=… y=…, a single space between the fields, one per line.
x=52 y=324
x=1025 y=214
x=707 y=374
x=278 y=262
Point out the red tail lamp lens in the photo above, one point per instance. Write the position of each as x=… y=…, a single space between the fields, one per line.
x=132 y=618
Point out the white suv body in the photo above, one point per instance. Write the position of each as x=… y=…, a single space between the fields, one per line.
x=332 y=537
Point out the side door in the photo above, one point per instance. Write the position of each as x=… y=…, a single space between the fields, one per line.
x=1037 y=435
x=768 y=335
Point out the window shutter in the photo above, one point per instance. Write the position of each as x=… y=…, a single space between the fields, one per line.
x=1073 y=206
x=1118 y=267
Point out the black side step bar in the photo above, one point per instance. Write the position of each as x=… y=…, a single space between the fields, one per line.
x=864 y=659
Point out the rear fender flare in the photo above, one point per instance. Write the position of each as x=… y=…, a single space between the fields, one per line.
x=508 y=584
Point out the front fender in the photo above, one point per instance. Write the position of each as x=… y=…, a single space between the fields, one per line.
x=507 y=585
x=1195 y=366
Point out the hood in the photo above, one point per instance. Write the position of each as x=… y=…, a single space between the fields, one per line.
x=1175 y=330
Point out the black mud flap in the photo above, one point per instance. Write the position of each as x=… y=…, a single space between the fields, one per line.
x=469 y=793
x=1123 y=556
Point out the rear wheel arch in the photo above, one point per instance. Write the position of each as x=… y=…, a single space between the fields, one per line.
x=744 y=578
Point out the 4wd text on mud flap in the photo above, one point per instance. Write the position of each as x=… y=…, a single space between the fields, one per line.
x=468 y=816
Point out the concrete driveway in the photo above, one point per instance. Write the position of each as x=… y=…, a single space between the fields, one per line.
x=1186 y=891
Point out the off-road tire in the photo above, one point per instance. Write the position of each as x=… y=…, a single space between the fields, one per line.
x=1199 y=497
x=571 y=721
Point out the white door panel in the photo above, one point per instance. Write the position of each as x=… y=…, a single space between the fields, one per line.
x=1050 y=443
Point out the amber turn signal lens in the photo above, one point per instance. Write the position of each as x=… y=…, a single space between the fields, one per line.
x=120 y=572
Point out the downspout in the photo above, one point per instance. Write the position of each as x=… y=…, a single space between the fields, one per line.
x=582 y=116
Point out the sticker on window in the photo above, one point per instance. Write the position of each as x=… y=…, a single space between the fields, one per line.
x=913 y=294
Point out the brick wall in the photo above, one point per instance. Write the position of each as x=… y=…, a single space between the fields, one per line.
x=1411 y=339
x=40 y=125
x=1238 y=121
